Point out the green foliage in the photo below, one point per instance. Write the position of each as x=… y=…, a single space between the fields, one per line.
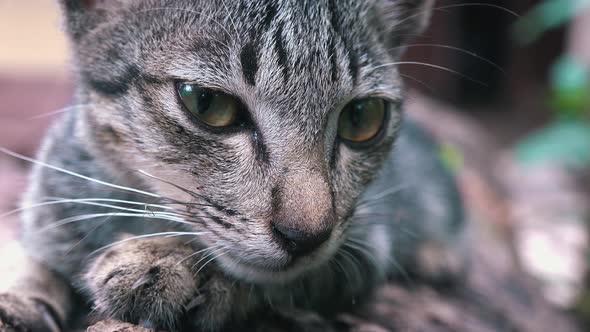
x=547 y=15
x=570 y=82
x=567 y=139
x=566 y=142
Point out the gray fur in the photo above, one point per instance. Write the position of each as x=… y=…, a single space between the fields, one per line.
x=294 y=64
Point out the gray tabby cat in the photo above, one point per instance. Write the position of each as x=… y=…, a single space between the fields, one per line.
x=230 y=157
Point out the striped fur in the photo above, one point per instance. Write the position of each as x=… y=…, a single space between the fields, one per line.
x=294 y=64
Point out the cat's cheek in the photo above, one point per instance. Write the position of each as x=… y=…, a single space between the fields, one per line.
x=168 y=182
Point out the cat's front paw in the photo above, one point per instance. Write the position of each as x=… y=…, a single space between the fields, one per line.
x=21 y=314
x=146 y=282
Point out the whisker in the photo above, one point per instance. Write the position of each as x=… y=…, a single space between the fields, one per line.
x=354 y=262
x=480 y=4
x=83 y=217
x=347 y=277
x=145 y=236
x=87 y=235
x=431 y=66
x=210 y=260
x=368 y=215
x=360 y=245
x=209 y=254
x=117 y=207
x=60 y=111
x=428 y=87
x=190 y=192
x=196 y=253
x=444 y=9
x=399 y=267
x=458 y=49
x=363 y=249
x=65 y=171
x=381 y=195
x=87 y=201
x=390 y=191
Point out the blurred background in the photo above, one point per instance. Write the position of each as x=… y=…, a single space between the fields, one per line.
x=504 y=85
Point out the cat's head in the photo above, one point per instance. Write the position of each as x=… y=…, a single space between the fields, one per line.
x=274 y=115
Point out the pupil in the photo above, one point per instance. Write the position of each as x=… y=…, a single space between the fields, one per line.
x=204 y=102
x=356 y=115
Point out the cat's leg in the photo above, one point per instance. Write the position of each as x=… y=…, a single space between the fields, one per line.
x=154 y=283
x=32 y=298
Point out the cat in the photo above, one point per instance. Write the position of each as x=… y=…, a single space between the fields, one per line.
x=226 y=158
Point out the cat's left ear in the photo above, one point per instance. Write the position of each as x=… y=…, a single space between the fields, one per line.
x=85 y=15
x=405 y=20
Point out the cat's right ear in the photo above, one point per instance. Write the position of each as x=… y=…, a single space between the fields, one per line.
x=84 y=15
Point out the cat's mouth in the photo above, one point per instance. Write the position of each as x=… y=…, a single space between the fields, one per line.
x=276 y=273
x=281 y=270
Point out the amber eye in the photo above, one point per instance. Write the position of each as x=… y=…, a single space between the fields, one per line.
x=362 y=120
x=213 y=108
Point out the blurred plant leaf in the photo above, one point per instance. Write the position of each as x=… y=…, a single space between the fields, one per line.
x=564 y=141
x=547 y=15
x=570 y=82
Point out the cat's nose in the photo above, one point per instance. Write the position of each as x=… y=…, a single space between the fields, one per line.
x=303 y=215
x=300 y=243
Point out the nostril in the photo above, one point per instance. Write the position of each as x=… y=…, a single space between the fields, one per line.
x=298 y=242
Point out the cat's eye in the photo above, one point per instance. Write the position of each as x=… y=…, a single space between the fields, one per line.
x=214 y=108
x=362 y=120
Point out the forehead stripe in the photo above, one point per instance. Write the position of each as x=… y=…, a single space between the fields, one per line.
x=333 y=58
x=281 y=52
x=337 y=25
x=249 y=61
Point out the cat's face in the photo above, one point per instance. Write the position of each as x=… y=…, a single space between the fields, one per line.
x=273 y=115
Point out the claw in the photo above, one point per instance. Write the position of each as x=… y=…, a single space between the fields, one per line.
x=197 y=301
x=48 y=317
x=145 y=279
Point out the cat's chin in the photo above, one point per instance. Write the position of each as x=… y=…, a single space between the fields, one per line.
x=279 y=274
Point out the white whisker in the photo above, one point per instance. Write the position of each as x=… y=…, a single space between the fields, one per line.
x=363 y=250
x=168 y=182
x=380 y=195
x=83 y=217
x=458 y=49
x=209 y=254
x=444 y=9
x=60 y=111
x=198 y=252
x=145 y=236
x=428 y=65
x=85 y=201
x=428 y=87
x=210 y=260
x=65 y=171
